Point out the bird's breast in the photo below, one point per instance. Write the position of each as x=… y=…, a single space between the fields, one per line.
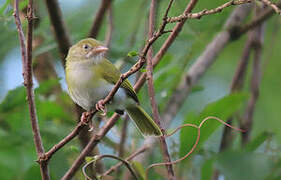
x=86 y=87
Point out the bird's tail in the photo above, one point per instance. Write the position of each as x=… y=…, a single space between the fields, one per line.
x=143 y=121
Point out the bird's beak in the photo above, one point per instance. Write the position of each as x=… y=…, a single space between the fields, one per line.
x=99 y=49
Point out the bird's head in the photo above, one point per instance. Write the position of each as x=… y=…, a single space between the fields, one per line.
x=87 y=49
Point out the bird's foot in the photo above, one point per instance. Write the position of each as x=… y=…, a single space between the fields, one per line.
x=101 y=107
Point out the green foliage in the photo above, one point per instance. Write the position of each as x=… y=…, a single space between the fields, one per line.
x=244 y=165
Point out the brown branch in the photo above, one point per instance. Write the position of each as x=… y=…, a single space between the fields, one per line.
x=247 y=119
x=99 y=17
x=205 y=12
x=123 y=137
x=60 y=30
x=132 y=156
x=151 y=91
x=236 y=86
x=272 y=5
x=121 y=147
x=27 y=76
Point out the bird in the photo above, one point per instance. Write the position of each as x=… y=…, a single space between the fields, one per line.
x=90 y=77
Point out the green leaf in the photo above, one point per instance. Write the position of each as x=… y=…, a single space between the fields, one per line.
x=197 y=89
x=13 y=99
x=46 y=86
x=5 y=5
x=244 y=165
x=223 y=109
x=74 y=149
x=207 y=169
x=133 y=53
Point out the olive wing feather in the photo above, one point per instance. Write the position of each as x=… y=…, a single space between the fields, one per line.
x=111 y=74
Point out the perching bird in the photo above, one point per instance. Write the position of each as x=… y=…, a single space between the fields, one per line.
x=90 y=77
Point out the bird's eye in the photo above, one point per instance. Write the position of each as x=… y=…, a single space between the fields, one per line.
x=86 y=46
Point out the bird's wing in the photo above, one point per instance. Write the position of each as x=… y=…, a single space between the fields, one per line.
x=111 y=74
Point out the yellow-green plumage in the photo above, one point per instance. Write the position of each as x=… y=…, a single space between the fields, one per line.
x=90 y=77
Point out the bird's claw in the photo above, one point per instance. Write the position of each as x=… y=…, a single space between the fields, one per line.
x=85 y=121
x=101 y=107
x=84 y=117
x=91 y=126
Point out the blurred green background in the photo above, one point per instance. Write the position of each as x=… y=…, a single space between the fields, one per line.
x=260 y=159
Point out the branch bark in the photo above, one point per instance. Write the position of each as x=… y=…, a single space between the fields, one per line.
x=247 y=119
x=236 y=86
x=28 y=82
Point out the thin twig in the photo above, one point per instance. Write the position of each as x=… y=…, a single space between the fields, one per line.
x=151 y=91
x=247 y=120
x=272 y=5
x=28 y=82
x=99 y=17
x=123 y=161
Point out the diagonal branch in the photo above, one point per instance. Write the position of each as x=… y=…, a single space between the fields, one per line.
x=28 y=82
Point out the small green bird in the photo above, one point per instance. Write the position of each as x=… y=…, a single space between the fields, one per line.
x=90 y=77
